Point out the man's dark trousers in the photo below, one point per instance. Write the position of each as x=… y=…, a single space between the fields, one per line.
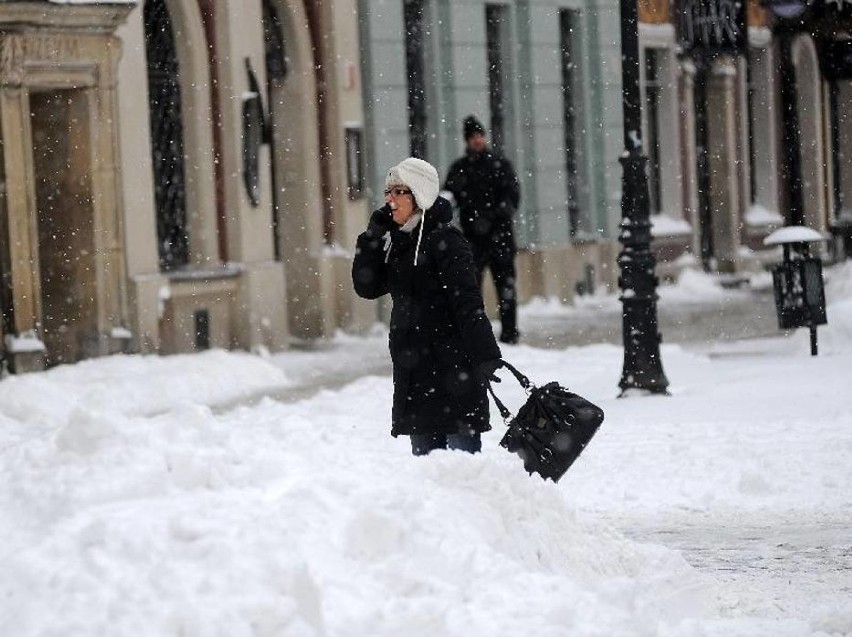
x=500 y=259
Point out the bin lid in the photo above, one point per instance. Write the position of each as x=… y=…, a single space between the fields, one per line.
x=793 y=234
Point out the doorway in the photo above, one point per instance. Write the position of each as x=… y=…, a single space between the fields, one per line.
x=64 y=213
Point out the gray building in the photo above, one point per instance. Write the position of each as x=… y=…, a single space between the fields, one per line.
x=544 y=77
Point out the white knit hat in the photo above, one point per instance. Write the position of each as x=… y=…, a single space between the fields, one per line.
x=418 y=175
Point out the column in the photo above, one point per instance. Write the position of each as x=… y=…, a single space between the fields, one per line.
x=724 y=180
x=20 y=206
x=689 y=151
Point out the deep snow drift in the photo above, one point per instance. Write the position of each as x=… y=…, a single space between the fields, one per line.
x=129 y=507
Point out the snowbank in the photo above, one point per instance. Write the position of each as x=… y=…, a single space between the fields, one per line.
x=128 y=507
x=135 y=385
x=305 y=519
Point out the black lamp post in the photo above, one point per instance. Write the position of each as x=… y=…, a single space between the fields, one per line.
x=643 y=368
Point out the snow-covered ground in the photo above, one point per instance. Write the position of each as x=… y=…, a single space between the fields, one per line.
x=139 y=497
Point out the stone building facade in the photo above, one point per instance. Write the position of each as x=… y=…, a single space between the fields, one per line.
x=175 y=176
x=715 y=136
x=184 y=174
x=544 y=77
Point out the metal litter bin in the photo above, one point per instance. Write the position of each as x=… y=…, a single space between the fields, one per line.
x=798 y=282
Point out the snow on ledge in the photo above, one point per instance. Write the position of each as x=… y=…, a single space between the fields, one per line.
x=664 y=225
x=24 y=344
x=121 y=333
x=760 y=216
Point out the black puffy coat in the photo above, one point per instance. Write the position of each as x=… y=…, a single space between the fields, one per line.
x=439 y=332
x=487 y=191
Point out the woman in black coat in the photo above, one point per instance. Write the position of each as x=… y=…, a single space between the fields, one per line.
x=441 y=343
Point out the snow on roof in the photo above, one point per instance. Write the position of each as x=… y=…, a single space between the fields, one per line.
x=793 y=234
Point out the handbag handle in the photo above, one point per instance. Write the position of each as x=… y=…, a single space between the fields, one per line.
x=521 y=378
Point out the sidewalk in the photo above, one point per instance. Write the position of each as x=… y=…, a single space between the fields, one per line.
x=694 y=315
x=684 y=318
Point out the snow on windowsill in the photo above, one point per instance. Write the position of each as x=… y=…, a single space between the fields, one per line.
x=27 y=343
x=759 y=216
x=665 y=225
x=121 y=333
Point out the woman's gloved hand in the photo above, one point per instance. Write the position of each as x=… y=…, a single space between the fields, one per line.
x=381 y=221
x=485 y=371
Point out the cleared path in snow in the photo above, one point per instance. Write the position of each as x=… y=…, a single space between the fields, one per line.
x=730 y=315
x=769 y=564
x=691 y=321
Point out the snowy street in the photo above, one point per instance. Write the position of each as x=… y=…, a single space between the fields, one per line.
x=226 y=494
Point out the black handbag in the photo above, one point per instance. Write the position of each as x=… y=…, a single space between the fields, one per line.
x=551 y=429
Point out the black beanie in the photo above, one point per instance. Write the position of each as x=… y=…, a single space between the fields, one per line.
x=472 y=126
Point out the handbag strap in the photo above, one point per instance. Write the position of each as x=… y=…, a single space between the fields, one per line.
x=504 y=411
x=521 y=378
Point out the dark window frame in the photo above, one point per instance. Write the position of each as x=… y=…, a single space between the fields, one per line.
x=415 y=35
x=653 y=91
x=571 y=90
x=167 y=145
x=496 y=15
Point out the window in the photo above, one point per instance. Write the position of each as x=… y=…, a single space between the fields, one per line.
x=354 y=163
x=496 y=21
x=572 y=121
x=653 y=88
x=761 y=135
x=166 y=136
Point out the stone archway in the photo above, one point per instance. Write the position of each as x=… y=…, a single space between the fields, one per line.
x=811 y=125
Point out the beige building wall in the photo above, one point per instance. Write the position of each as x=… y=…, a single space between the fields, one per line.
x=261 y=316
x=244 y=299
x=296 y=151
x=351 y=212
x=137 y=196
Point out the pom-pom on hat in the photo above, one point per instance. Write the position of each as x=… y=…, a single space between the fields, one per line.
x=471 y=126
x=420 y=176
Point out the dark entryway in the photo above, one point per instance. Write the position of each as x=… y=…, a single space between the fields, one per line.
x=67 y=270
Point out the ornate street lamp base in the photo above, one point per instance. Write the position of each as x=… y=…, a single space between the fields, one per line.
x=643 y=369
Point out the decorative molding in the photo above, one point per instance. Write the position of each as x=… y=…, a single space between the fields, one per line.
x=93 y=18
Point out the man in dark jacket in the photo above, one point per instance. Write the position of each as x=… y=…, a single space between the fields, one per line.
x=486 y=189
x=441 y=341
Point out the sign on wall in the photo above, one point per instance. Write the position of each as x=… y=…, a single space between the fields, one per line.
x=713 y=26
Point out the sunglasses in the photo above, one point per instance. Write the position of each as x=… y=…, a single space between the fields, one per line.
x=397 y=192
